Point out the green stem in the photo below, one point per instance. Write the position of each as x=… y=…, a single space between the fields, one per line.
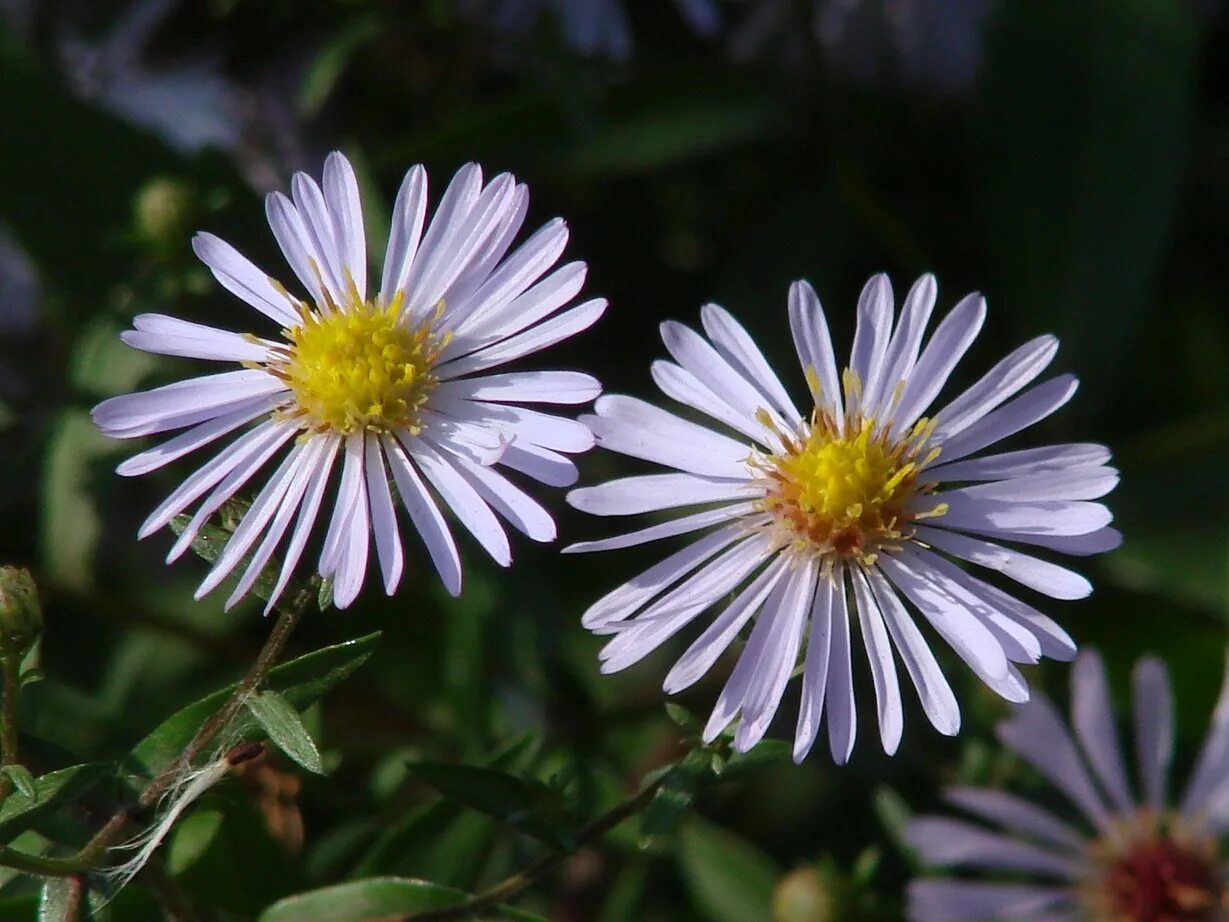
x=94 y=852
x=523 y=880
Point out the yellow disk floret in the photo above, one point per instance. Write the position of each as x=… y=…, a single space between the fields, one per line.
x=845 y=491
x=359 y=367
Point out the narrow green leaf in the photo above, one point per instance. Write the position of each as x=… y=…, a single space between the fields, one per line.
x=678 y=790
x=20 y=810
x=22 y=780
x=378 y=896
x=285 y=728
x=326 y=70
x=301 y=682
x=211 y=540
x=524 y=804
x=729 y=879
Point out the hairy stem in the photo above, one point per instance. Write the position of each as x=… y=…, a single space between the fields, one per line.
x=523 y=880
x=94 y=852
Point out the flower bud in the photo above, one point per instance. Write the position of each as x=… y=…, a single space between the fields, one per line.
x=162 y=210
x=21 y=616
x=803 y=896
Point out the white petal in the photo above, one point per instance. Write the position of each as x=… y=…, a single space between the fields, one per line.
x=956 y=616
x=499 y=320
x=383 y=515
x=944 y=350
x=1079 y=483
x=1036 y=733
x=679 y=526
x=636 y=428
x=164 y=335
x=1019 y=816
x=1208 y=789
x=939 y=900
x=842 y=713
x=341 y=193
x=241 y=278
x=184 y=403
x=261 y=441
x=738 y=348
x=954 y=843
x=1026 y=463
x=870 y=340
x=348 y=496
x=520 y=423
x=1005 y=379
x=308 y=511
x=425 y=515
x=458 y=198
x=935 y=694
x=1092 y=715
x=627 y=598
x=296 y=244
x=1007 y=518
x=258 y=515
x=562 y=387
x=236 y=476
x=542 y=464
x=470 y=508
x=321 y=237
x=1030 y=407
x=486 y=260
x=698 y=356
x=905 y=344
x=651 y=492
x=1154 y=729
x=545 y=334
x=1095 y=542
x=196 y=437
x=706 y=649
x=883 y=668
x=351 y=568
x=758 y=680
x=1045 y=577
x=405 y=232
x=509 y=500
x=814 y=671
x=813 y=343
x=683 y=386
x=300 y=481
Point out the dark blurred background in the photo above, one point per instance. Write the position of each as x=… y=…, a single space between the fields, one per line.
x=1068 y=158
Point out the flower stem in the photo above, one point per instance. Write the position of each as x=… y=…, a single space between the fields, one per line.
x=523 y=880
x=94 y=851
x=10 y=665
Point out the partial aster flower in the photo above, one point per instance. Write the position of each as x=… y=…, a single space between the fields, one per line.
x=1130 y=858
x=843 y=515
x=371 y=383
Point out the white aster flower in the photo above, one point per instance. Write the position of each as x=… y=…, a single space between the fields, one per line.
x=1145 y=859
x=837 y=518
x=392 y=381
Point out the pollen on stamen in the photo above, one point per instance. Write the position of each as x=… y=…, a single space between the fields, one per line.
x=361 y=367
x=846 y=489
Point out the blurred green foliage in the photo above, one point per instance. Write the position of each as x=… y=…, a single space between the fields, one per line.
x=1081 y=182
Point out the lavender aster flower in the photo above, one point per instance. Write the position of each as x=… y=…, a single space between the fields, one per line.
x=1127 y=858
x=840 y=518
x=394 y=381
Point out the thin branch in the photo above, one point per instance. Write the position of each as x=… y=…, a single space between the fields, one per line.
x=523 y=880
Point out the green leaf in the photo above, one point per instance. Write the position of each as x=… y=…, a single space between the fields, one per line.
x=330 y=63
x=678 y=790
x=378 y=896
x=285 y=728
x=22 y=780
x=301 y=682
x=729 y=879
x=762 y=754
x=211 y=540
x=894 y=813
x=524 y=804
x=20 y=810
x=70 y=525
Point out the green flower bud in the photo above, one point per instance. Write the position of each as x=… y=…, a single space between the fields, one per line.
x=21 y=616
x=162 y=211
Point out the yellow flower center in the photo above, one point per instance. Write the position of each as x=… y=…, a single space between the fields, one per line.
x=359 y=367
x=844 y=491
